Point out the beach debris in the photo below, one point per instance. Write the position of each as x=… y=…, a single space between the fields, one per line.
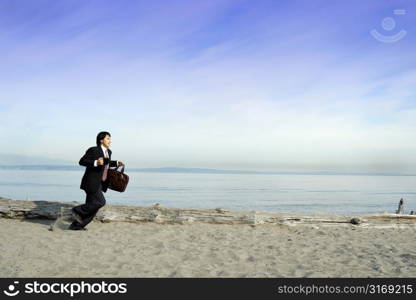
x=106 y=216
x=185 y=220
x=220 y=210
x=356 y=221
x=400 y=209
x=155 y=215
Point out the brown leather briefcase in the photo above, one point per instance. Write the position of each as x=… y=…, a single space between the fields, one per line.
x=118 y=180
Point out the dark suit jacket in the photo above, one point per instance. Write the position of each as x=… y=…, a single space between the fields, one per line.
x=93 y=175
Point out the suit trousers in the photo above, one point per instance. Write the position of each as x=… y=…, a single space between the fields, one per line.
x=87 y=211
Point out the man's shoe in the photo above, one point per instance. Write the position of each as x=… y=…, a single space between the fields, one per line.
x=82 y=228
x=76 y=216
x=72 y=227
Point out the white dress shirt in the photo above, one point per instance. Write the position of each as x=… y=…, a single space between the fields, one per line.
x=106 y=155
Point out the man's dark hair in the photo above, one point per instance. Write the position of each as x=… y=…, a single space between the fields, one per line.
x=101 y=136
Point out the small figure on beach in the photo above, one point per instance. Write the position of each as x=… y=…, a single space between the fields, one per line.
x=400 y=209
x=97 y=161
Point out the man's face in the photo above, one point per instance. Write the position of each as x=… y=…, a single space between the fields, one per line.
x=107 y=141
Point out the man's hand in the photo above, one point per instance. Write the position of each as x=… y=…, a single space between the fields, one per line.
x=120 y=163
x=100 y=161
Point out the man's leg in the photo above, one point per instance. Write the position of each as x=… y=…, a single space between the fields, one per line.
x=87 y=211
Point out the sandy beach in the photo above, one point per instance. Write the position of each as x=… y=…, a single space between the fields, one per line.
x=121 y=249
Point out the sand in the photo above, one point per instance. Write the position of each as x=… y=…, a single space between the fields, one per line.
x=120 y=249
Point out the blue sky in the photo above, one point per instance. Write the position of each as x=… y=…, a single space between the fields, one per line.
x=265 y=85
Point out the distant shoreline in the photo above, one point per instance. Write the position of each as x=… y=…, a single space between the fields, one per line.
x=198 y=170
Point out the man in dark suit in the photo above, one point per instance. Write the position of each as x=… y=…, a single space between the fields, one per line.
x=94 y=182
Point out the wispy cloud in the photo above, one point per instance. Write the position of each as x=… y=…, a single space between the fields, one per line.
x=222 y=84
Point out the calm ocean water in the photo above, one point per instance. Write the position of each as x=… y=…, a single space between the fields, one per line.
x=346 y=194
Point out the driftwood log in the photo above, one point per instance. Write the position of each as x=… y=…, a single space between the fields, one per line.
x=156 y=213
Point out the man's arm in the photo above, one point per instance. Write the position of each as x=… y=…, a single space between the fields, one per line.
x=116 y=163
x=88 y=160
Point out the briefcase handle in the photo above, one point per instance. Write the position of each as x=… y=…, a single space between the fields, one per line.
x=122 y=168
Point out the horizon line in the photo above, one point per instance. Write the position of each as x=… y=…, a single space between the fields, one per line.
x=205 y=170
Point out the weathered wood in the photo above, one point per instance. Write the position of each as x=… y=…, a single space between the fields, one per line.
x=156 y=213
